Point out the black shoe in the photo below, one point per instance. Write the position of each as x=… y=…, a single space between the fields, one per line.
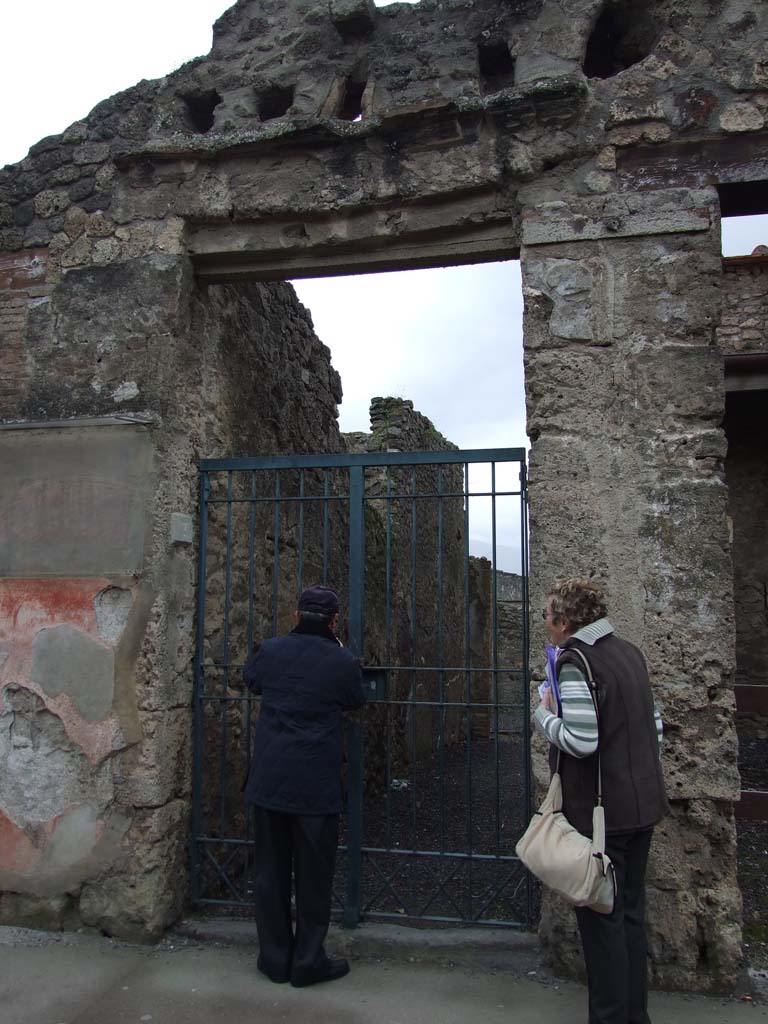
x=279 y=977
x=328 y=971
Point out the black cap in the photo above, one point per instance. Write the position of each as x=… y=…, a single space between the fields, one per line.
x=321 y=600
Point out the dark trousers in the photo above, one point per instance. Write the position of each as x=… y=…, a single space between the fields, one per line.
x=615 y=946
x=302 y=846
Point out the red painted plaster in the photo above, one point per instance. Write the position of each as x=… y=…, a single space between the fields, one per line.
x=26 y=607
x=21 y=270
x=17 y=852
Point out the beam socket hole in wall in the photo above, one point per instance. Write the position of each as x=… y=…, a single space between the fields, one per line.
x=352 y=102
x=275 y=102
x=354 y=30
x=200 y=110
x=624 y=34
x=497 y=66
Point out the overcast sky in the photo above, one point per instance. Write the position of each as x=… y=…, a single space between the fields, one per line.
x=449 y=340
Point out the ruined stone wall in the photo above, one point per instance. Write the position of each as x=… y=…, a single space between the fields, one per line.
x=747 y=474
x=510 y=612
x=426 y=545
x=590 y=137
x=743 y=327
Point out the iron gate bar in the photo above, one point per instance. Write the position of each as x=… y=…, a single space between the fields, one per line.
x=528 y=787
x=276 y=543
x=441 y=676
x=413 y=651
x=354 y=729
x=288 y=499
x=354 y=468
x=197 y=718
x=495 y=655
x=485 y=455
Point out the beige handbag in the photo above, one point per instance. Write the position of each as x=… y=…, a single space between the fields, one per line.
x=562 y=858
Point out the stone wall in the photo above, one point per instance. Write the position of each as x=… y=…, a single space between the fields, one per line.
x=425 y=550
x=509 y=597
x=598 y=140
x=743 y=326
x=743 y=339
x=110 y=593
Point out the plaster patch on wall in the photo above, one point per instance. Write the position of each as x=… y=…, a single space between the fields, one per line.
x=126 y=391
x=581 y=303
x=112 y=607
x=64 y=660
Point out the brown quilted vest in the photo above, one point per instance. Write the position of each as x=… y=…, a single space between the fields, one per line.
x=633 y=785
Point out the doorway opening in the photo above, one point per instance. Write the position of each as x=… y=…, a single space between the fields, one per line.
x=425 y=537
x=743 y=339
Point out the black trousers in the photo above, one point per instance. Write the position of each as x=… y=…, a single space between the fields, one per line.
x=615 y=945
x=302 y=846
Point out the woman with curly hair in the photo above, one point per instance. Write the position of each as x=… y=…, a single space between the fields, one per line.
x=634 y=798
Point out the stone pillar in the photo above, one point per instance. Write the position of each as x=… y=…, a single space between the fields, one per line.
x=625 y=398
x=97 y=601
x=120 y=377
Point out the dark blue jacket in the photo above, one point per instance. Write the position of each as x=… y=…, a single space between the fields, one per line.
x=306 y=679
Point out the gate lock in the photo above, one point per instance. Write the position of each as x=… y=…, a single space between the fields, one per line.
x=375 y=682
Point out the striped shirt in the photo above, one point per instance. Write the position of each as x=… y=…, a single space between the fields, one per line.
x=575 y=730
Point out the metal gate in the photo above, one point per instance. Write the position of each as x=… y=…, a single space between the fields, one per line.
x=429 y=554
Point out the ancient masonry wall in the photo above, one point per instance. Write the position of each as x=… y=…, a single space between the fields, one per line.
x=96 y=638
x=591 y=138
x=743 y=326
x=412 y=634
x=743 y=338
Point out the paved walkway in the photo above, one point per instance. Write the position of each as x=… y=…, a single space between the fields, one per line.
x=75 y=979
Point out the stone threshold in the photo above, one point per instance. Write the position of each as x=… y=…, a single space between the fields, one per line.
x=508 y=949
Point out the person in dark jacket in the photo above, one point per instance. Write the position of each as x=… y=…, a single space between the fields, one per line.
x=626 y=729
x=306 y=679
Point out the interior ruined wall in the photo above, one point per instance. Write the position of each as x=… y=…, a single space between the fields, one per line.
x=605 y=178
x=426 y=544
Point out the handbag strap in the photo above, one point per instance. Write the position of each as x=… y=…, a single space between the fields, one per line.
x=592 y=691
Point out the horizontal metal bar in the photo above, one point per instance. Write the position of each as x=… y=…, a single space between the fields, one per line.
x=284 y=499
x=752 y=805
x=508 y=670
x=397 y=851
x=506 y=858
x=366 y=459
x=392 y=702
x=368 y=497
x=751 y=698
x=469 y=921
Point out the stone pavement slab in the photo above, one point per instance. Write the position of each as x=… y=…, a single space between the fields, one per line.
x=71 y=979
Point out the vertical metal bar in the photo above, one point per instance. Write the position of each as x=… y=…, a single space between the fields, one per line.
x=351 y=915
x=441 y=673
x=251 y=561
x=468 y=663
x=495 y=655
x=326 y=493
x=248 y=704
x=276 y=553
x=413 y=705
x=388 y=651
x=223 y=773
x=525 y=680
x=197 y=738
x=300 y=561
